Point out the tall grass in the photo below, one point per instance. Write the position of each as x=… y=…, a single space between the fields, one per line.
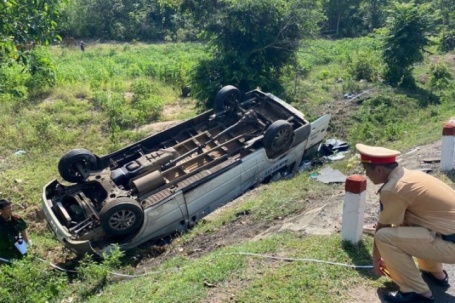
x=101 y=65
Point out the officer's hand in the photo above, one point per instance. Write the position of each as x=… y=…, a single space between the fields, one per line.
x=379 y=266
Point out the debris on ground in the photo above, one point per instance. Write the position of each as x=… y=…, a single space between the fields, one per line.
x=330 y=175
x=332 y=146
x=20 y=152
x=337 y=156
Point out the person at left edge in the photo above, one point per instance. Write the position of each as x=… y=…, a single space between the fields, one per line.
x=12 y=228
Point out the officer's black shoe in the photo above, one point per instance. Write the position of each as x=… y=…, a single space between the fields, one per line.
x=443 y=283
x=407 y=297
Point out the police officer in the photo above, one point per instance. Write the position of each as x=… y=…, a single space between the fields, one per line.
x=13 y=229
x=416 y=221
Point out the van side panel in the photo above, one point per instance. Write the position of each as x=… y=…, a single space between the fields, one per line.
x=207 y=197
x=266 y=167
x=164 y=218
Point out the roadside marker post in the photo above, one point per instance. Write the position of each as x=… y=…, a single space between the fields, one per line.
x=353 y=208
x=448 y=146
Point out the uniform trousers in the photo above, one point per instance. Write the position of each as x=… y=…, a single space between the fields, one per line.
x=402 y=247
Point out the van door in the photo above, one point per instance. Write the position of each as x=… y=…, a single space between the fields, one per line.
x=318 y=130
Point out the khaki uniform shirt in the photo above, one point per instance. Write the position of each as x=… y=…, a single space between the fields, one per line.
x=415 y=198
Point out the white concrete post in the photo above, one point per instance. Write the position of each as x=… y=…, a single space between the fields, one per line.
x=448 y=146
x=353 y=208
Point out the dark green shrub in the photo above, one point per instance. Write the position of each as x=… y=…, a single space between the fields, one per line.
x=364 y=67
x=447 y=41
x=440 y=76
x=42 y=70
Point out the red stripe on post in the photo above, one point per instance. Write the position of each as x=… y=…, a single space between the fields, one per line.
x=356 y=184
x=449 y=129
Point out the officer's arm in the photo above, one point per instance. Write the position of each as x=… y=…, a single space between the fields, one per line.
x=377 y=260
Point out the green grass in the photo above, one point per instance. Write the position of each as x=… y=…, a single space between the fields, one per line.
x=105 y=95
x=257 y=277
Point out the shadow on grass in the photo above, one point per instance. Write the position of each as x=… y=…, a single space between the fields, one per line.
x=423 y=97
x=360 y=255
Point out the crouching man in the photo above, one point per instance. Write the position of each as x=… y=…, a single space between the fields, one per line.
x=416 y=222
x=13 y=233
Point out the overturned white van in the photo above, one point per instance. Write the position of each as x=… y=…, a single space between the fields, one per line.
x=168 y=181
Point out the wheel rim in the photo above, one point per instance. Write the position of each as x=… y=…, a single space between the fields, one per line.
x=281 y=139
x=122 y=220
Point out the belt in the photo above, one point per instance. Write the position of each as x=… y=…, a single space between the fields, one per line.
x=450 y=238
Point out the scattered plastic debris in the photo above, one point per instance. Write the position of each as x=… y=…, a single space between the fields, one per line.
x=306 y=165
x=360 y=96
x=337 y=156
x=276 y=177
x=332 y=146
x=330 y=175
x=20 y=152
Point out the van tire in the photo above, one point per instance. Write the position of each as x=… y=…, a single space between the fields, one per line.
x=278 y=138
x=68 y=164
x=227 y=100
x=121 y=216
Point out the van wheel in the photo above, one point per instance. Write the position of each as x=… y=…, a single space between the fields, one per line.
x=121 y=216
x=76 y=163
x=278 y=138
x=227 y=100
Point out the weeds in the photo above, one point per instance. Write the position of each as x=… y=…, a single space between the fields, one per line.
x=28 y=281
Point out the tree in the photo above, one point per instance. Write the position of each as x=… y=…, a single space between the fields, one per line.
x=250 y=42
x=373 y=12
x=341 y=16
x=408 y=28
x=25 y=23
x=123 y=20
x=353 y=18
x=447 y=9
x=447 y=35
